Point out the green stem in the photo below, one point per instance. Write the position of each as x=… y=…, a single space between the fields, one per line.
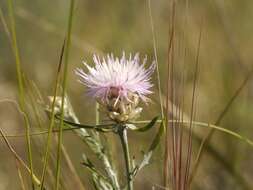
x=124 y=142
x=20 y=85
x=51 y=125
x=64 y=87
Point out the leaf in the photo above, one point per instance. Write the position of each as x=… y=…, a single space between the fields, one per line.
x=86 y=162
x=147 y=156
x=224 y=130
x=101 y=128
x=144 y=162
x=157 y=138
x=100 y=184
x=99 y=176
x=148 y=126
x=99 y=181
x=146 y=159
x=95 y=184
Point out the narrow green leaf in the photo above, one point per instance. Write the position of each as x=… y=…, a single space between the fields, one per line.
x=90 y=166
x=148 y=155
x=101 y=128
x=148 y=126
x=224 y=130
x=157 y=138
x=94 y=184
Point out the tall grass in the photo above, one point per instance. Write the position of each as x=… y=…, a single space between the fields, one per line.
x=156 y=57
x=172 y=153
x=20 y=83
x=52 y=116
x=169 y=93
x=177 y=164
x=64 y=88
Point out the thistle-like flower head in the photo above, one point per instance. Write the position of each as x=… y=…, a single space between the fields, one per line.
x=118 y=83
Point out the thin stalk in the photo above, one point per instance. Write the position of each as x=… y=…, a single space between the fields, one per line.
x=5 y=26
x=64 y=85
x=189 y=151
x=207 y=138
x=156 y=57
x=20 y=84
x=33 y=102
x=18 y=158
x=124 y=142
x=168 y=150
x=76 y=181
x=22 y=183
x=51 y=125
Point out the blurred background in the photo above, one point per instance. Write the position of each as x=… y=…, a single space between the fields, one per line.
x=113 y=27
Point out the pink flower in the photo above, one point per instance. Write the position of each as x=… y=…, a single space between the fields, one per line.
x=114 y=77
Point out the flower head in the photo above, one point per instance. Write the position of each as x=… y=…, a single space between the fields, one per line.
x=118 y=83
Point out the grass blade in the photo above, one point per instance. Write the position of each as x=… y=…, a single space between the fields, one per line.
x=148 y=126
x=20 y=83
x=64 y=85
x=219 y=119
x=22 y=183
x=51 y=125
x=156 y=58
x=18 y=158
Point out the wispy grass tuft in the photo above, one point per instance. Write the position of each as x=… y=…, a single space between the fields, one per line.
x=169 y=93
x=178 y=149
x=189 y=152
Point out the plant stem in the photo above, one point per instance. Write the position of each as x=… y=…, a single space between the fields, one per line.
x=124 y=142
x=64 y=88
x=20 y=86
x=52 y=116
